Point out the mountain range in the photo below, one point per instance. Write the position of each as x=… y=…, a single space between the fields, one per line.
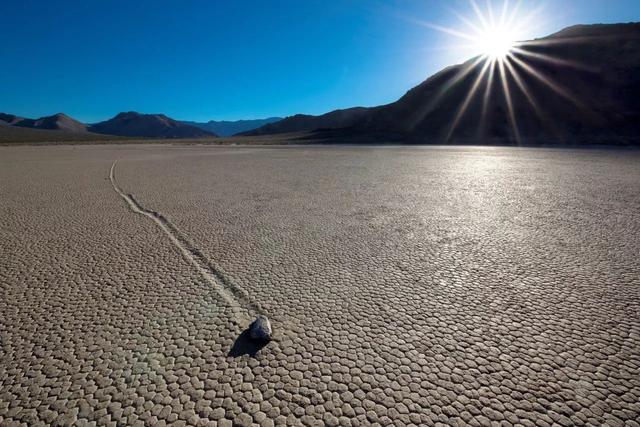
x=579 y=85
x=132 y=124
x=58 y=121
x=229 y=128
x=305 y=122
x=129 y=124
x=148 y=125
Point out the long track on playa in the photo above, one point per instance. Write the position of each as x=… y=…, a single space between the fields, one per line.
x=237 y=298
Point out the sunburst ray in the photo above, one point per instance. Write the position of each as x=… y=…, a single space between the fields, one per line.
x=467 y=99
x=486 y=97
x=507 y=95
x=530 y=97
x=522 y=85
x=479 y=15
x=442 y=91
x=551 y=59
x=547 y=81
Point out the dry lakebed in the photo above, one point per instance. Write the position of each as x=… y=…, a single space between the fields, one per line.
x=404 y=286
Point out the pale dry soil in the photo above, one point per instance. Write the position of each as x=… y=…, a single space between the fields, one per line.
x=406 y=286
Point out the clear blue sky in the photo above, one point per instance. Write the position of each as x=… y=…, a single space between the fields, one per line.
x=205 y=60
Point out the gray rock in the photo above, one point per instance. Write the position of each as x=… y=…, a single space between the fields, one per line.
x=260 y=329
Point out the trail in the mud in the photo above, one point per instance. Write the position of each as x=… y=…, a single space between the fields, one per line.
x=237 y=298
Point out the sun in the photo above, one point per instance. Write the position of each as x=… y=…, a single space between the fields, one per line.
x=492 y=32
x=495 y=43
x=495 y=36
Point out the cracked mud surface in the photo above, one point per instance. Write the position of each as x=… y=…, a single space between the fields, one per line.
x=420 y=286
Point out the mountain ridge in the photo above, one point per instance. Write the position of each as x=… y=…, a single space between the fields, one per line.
x=231 y=127
x=304 y=122
x=136 y=124
x=129 y=124
x=58 y=121
x=581 y=82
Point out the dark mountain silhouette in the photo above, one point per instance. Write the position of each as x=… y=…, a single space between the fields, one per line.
x=57 y=121
x=9 y=119
x=228 y=128
x=148 y=125
x=17 y=134
x=302 y=122
x=124 y=124
x=581 y=84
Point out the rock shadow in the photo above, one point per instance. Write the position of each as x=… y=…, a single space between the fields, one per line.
x=245 y=345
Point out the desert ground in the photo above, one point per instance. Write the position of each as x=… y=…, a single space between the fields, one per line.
x=405 y=285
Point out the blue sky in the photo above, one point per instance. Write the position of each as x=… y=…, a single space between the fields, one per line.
x=202 y=60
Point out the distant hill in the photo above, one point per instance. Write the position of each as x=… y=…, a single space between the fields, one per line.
x=24 y=135
x=130 y=124
x=9 y=119
x=148 y=125
x=228 y=128
x=58 y=121
x=581 y=84
x=303 y=122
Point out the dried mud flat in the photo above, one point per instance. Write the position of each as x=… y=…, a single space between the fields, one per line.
x=406 y=286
